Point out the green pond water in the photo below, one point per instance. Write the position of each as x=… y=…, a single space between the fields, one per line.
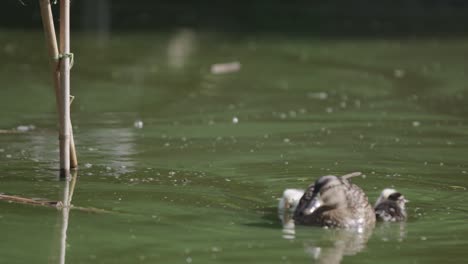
x=199 y=181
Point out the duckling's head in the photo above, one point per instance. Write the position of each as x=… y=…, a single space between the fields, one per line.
x=290 y=200
x=391 y=195
x=325 y=193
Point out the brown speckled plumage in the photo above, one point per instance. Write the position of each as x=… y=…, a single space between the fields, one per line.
x=335 y=202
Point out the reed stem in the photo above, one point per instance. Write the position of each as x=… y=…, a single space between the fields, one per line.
x=64 y=62
x=49 y=30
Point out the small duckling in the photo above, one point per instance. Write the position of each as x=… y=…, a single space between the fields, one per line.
x=335 y=202
x=390 y=207
x=286 y=207
x=290 y=200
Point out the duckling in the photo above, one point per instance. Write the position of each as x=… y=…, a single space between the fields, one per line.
x=290 y=200
x=390 y=207
x=335 y=202
x=286 y=207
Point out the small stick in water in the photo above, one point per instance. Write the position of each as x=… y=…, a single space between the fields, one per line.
x=23 y=200
x=47 y=203
x=350 y=175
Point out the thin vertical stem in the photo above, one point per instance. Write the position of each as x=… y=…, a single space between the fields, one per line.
x=65 y=57
x=73 y=157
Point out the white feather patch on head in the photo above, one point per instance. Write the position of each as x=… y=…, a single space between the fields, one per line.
x=384 y=195
x=387 y=192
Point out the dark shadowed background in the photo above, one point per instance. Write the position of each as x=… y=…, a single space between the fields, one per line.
x=330 y=18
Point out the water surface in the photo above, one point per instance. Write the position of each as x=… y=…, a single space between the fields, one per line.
x=199 y=181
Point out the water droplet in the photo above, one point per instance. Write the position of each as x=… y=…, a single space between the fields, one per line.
x=416 y=123
x=357 y=103
x=138 y=124
x=235 y=120
x=215 y=249
x=319 y=95
x=399 y=73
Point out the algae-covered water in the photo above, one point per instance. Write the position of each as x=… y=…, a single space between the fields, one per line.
x=188 y=164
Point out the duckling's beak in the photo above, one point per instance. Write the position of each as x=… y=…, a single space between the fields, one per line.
x=403 y=199
x=313 y=205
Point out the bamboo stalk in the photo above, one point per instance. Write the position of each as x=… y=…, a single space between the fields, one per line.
x=49 y=30
x=64 y=120
x=73 y=157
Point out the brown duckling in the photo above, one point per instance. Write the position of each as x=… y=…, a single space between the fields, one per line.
x=335 y=202
x=390 y=207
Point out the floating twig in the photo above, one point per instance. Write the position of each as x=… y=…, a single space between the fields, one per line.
x=48 y=203
x=9 y=131
x=23 y=200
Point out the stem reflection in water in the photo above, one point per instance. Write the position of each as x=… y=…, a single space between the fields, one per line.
x=68 y=189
